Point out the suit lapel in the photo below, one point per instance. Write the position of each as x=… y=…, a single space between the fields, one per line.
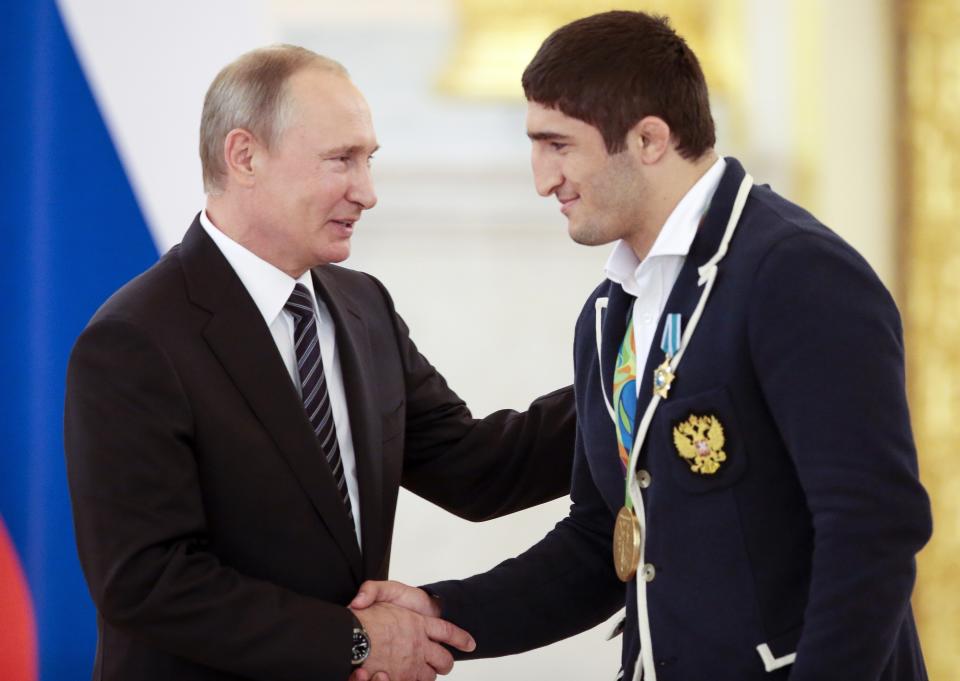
x=257 y=370
x=353 y=347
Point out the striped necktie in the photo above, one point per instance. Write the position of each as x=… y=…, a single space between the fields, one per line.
x=313 y=384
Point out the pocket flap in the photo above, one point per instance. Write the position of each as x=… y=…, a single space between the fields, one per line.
x=701 y=438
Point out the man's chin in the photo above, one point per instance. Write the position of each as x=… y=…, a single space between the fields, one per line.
x=585 y=236
x=334 y=253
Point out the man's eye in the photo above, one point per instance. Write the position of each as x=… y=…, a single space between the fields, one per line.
x=558 y=146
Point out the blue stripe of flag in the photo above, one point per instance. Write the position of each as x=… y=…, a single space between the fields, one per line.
x=72 y=233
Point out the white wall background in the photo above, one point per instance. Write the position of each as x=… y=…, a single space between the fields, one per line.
x=478 y=264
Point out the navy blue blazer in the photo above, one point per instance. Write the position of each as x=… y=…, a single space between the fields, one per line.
x=804 y=540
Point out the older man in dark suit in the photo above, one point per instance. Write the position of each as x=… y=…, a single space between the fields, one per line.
x=239 y=417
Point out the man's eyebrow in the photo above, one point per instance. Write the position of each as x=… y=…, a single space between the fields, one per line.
x=350 y=150
x=545 y=135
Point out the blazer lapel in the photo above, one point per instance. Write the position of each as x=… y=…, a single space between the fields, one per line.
x=353 y=347
x=257 y=370
x=686 y=291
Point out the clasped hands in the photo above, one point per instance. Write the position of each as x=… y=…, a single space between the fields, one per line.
x=405 y=632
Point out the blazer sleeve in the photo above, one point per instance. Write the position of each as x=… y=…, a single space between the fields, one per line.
x=141 y=531
x=486 y=468
x=561 y=586
x=825 y=338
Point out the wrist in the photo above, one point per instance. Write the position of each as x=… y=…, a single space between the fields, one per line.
x=436 y=605
x=360 y=646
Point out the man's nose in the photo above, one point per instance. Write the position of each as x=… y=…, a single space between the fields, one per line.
x=361 y=189
x=546 y=174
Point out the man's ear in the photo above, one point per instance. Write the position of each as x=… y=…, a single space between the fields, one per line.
x=649 y=139
x=240 y=149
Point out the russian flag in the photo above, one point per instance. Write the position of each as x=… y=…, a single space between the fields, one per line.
x=74 y=230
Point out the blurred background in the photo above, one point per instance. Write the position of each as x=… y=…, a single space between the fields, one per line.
x=848 y=107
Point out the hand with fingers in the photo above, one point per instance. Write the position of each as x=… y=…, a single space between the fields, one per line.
x=406 y=645
x=408 y=597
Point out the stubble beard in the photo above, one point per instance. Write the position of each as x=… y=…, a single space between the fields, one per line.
x=588 y=234
x=621 y=190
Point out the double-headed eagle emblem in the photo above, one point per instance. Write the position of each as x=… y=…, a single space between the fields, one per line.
x=699 y=440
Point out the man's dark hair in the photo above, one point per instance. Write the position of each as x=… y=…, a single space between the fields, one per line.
x=613 y=69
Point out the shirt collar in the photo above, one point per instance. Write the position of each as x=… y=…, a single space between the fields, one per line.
x=269 y=286
x=678 y=231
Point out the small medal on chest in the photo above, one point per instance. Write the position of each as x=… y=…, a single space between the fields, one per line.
x=663 y=375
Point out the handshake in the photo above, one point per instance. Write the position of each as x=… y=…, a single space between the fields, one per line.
x=405 y=632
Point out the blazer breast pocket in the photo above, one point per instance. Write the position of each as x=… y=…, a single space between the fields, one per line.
x=701 y=438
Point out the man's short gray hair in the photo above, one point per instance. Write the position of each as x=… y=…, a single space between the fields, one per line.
x=251 y=93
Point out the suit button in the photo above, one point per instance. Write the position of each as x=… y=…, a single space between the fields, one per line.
x=643 y=479
x=649 y=572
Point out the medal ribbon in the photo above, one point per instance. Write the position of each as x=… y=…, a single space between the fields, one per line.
x=625 y=387
x=625 y=394
x=670 y=342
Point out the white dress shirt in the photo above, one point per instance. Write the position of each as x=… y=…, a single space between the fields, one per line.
x=270 y=289
x=652 y=279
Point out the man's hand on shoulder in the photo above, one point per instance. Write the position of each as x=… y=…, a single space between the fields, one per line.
x=405 y=634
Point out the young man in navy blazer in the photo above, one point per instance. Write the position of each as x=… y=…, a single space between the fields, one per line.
x=770 y=512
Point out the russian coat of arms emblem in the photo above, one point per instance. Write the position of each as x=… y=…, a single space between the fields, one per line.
x=699 y=441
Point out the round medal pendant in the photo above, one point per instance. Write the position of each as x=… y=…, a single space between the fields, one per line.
x=626 y=544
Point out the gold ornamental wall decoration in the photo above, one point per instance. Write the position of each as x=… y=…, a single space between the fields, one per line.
x=498 y=38
x=930 y=240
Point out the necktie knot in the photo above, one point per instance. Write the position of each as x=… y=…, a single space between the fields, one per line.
x=300 y=302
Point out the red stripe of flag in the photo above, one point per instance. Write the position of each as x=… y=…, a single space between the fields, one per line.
x=18 y=635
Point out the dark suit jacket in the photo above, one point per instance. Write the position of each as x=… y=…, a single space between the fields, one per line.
x=804 y=540
x=209 y=527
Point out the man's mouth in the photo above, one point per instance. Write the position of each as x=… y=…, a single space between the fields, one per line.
x=566 y=204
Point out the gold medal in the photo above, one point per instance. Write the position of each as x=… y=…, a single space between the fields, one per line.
x=662 y=378
x=626 y=544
